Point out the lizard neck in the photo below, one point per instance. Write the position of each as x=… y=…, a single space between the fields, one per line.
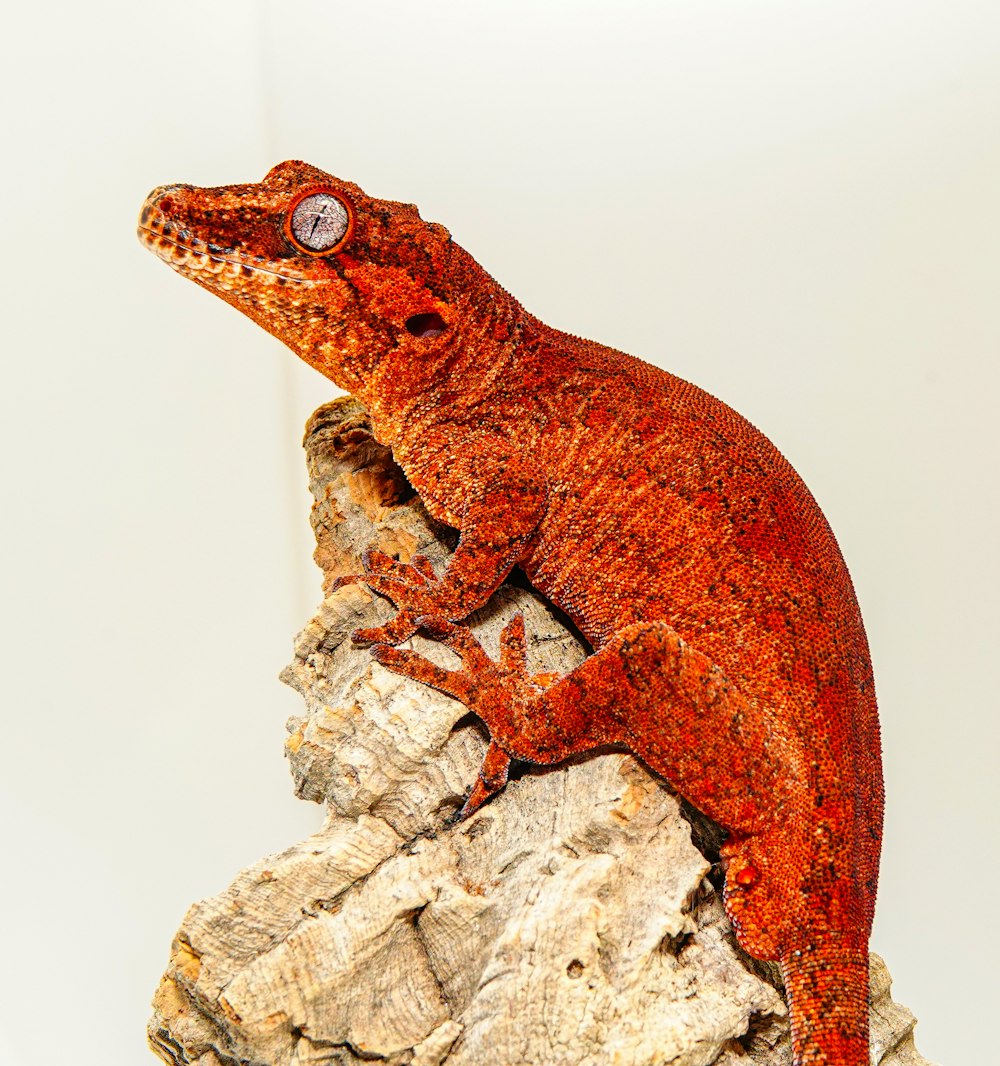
x=454 y=378
x=827 y=986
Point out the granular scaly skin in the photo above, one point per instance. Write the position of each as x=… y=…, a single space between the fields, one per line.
x=729 y=652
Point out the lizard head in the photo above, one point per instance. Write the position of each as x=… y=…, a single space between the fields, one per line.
x=344 y=279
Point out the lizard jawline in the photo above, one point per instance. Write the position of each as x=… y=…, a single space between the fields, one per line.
x=192 y=258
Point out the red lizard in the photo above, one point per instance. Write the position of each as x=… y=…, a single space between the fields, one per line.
x=729 y=651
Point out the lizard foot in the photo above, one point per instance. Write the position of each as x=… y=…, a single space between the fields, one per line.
x=497 y=692
x=410 y=586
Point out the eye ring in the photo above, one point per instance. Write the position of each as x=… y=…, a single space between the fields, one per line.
x=319 y=221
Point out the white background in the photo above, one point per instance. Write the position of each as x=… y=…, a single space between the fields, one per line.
x=792 y=203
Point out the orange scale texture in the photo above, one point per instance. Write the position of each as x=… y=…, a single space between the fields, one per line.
x=729 y=651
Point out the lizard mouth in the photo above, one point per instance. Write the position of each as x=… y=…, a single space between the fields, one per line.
x=210 y=264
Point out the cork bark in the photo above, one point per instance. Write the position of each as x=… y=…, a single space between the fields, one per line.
x=576 y=919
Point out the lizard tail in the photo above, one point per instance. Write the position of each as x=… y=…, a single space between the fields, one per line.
x=827 y=987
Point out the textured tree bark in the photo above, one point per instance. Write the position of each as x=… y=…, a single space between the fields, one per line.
x=576 y=919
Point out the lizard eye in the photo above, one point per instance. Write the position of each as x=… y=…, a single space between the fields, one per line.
x=319 y=223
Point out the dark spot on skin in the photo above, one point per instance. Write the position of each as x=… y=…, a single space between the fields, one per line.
x=575 y=969
x=245 y=271
x=426 y=325
x=144 y=217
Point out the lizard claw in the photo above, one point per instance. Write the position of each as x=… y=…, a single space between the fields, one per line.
x=492 y=778
x=376 y=562
x=487 y=687
x=462 y=641
x=498 y=692
x=514 y=645
x=423 y=565
x=346 y=579
x=417 y=571
x=437 y=627
x=412 y=664
x=395 y=631
x=410 y=586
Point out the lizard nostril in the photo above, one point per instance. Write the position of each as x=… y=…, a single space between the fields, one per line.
x=426 y=325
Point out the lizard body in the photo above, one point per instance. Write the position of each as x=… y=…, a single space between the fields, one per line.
x=729 y=651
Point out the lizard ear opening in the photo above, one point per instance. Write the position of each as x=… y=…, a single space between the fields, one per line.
x=426 y=325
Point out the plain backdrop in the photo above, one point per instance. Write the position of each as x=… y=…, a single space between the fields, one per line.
x=793 y=203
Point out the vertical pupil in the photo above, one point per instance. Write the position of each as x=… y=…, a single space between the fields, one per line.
x=319 y=221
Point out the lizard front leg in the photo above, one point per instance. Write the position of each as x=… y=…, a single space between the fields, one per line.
x=645 y=689
x=501 y=499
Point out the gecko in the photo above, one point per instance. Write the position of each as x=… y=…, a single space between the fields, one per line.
x=728 y=649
